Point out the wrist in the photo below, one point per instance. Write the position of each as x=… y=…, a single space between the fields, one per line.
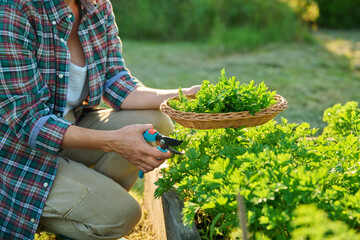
x=83 y=138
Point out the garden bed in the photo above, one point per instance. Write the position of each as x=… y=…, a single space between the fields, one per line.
x=164 y=213
x=291 y=181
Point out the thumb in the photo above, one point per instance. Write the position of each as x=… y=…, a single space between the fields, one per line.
x=144 y=127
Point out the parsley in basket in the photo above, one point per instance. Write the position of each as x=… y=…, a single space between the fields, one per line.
x=227 y=95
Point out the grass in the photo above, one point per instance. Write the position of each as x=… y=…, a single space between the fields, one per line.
x=312 y=77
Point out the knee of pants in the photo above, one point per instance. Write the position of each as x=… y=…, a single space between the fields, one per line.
x=136 y=214
x=162 y=123
x=126 y=221
x=100 y=215
x=120 y=224
x=129 y=218
x=159 y=120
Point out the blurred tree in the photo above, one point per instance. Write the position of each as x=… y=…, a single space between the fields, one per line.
x=339 y=13
x=238 y=24
x=307 y=10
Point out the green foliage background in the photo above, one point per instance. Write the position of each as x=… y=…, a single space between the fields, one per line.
x=339 y=13
x=234 y=24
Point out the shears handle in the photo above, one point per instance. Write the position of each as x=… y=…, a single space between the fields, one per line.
x=141 y=173
x=150 y=135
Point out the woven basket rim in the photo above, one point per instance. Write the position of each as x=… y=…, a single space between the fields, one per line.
x=223 y=120
x=279 y=106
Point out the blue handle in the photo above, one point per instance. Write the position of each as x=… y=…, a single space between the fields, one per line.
x=163 y=150
x=150 y=135
x=141 y=173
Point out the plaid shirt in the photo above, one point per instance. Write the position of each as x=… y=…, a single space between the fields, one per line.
x=34 y=72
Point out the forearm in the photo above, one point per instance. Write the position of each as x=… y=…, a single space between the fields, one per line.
x=149 y=98
x=127 y=142
x=82 y=138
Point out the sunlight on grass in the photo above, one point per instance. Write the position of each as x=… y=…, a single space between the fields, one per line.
x=344 y=43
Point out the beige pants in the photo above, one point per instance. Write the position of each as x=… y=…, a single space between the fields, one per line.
x=94 y=203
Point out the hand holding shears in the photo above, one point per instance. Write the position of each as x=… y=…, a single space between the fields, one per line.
x=165 y=143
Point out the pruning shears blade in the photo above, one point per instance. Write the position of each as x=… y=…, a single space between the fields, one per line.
x=169 y=141
x=175 y=151
x=165 y=142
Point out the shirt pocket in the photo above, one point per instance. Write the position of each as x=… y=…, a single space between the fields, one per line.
x=65 y=195
x=98 y=39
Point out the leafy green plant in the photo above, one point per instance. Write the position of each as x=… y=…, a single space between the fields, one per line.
x=44 y=236
x=276 y=167
x=342 y=120
x=228 y=95
x=312 y=223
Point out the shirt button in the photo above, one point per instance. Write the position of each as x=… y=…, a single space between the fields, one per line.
x=69 y=16
x=58 y=114
x=62 y=40
x=61 y=75
x=53 y=22
x=46 y=184
x=32 y=220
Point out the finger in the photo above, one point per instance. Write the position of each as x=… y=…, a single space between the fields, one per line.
x=144 y=127
x=143 y=165
x=148 y=150
x=150 y=164
x=146 y=168
x=155 y=163
x=161 y=155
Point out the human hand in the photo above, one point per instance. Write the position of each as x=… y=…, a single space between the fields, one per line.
x=191 y=90
x=130 y=143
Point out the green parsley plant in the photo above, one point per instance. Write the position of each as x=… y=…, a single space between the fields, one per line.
x=228 y=95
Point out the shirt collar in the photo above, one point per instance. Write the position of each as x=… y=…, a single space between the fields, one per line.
x=89 y=5
x=57 y=9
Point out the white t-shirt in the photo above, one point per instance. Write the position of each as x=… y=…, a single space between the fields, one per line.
x=78 y=87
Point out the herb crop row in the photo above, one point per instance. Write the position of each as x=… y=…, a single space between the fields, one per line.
x=291 y=181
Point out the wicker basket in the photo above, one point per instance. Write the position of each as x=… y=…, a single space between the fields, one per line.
x=223 y=120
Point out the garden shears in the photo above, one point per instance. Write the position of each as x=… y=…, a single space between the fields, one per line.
x=165 y=143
